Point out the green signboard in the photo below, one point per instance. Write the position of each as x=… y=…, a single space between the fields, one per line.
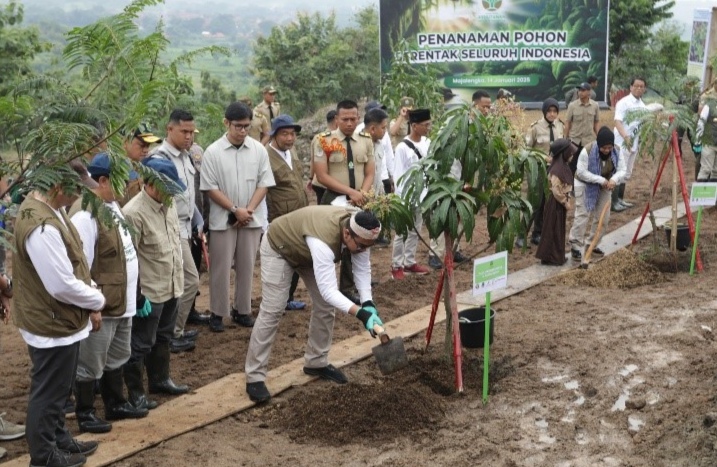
x=534 y=48
x=490 y=273
x=703 y=194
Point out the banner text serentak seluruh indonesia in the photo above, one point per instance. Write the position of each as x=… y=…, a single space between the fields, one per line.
x=496 y=46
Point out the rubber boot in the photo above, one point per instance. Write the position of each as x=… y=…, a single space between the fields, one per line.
x=621 y=196
x=87 y=420
x=116 y=406
x=158 y=372
x=135 y=387
x=616 y=205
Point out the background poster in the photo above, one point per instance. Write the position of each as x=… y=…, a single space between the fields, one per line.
x=697 y=60
x=534 y=48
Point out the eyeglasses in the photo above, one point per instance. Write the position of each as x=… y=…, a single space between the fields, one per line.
x=240 y=127
x=360 y=246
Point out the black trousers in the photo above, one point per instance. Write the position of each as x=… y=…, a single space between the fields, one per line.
x=51 y=379
x=158 y=327
x=294 y=285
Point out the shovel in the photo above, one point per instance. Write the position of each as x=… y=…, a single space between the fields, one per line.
x=390 y=354
x=586 y=259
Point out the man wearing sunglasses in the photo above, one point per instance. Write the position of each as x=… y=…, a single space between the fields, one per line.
x=310 y=241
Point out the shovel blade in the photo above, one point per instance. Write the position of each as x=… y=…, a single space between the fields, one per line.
x=391 y=356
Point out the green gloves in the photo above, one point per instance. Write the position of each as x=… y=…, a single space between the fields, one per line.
x=145 y=310
x=697 y=149
x=368 y=314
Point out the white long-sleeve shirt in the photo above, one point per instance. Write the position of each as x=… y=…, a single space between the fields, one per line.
x=48 y=252
x=325 y=274
x=584 y=176
x=405 y=158
x=86 y=226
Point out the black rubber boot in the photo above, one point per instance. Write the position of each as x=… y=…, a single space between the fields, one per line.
x=116 y=406
x=87 y=420
x=158 y=372
x=621 y=195
x=616 y=205
x=135 y=387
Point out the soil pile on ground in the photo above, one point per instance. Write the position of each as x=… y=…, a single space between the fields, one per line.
x=622 y=270
x=360 y=413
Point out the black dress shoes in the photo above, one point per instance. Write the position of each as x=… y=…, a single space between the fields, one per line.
x=197 y=318
x=190 y=335
x=258 y=392
x=177 y=345
x=245 y=321
x=216 y=323
x=328 y=372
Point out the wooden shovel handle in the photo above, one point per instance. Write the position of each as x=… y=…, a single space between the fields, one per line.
x=593 y=244
x=381 y=333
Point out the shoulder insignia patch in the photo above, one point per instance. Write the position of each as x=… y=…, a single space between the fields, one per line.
x=326 y=133
x=364 y=134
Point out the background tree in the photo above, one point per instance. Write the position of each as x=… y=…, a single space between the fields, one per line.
x=18 y=45
x=312 y=62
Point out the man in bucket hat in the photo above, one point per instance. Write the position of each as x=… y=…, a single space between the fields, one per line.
x=288 y=194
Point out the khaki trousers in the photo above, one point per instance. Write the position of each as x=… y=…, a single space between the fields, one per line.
x=275 y=283
x=708 y=167
x=241 y=246
x=582 y=217
x=191 y=285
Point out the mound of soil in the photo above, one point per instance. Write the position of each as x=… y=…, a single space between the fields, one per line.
x=408 y=402
x=622 y=270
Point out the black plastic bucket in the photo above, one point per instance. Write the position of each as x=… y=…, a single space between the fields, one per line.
x=683 y=236
x=471 y=323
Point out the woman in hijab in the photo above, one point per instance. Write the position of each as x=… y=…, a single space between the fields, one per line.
x=551 y=249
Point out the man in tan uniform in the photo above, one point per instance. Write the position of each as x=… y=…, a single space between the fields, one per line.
x=398 y=127
x=269 y=108
x=344 y=164
x=260 y=128
x=582 y=118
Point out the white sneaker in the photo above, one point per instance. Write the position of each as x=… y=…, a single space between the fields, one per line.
x=9 y=430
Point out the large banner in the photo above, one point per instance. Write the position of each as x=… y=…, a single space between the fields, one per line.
x=533 y=48
x=697 y=60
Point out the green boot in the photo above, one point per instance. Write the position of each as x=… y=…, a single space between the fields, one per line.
x=616 y=205
x=621 y=196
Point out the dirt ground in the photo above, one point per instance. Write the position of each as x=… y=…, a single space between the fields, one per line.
x=581 y=375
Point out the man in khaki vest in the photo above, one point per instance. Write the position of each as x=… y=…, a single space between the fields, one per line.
x=55 y=309
x=288 y=194
x=310 y=241
x=268 y=107
x=113 y=266
x=260 y=128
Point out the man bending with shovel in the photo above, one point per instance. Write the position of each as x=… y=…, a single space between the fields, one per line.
x=310 y=241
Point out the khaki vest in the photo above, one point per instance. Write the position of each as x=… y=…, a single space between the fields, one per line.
x=709 y=137
x=287 y=234
x=109 y=268
x=288 y=194
x=35 y=309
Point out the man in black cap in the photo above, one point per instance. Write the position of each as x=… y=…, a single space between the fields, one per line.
x=412 y=149
x=288 y=194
